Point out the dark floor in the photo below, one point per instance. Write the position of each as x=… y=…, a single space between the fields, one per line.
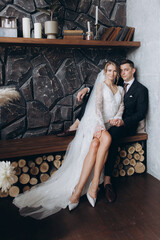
x=135 y=215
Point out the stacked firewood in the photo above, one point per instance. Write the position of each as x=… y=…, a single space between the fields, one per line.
x=29 y=172
x=34 y=171
x=130 y=160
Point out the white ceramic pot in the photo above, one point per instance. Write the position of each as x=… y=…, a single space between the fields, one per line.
x=51 y=29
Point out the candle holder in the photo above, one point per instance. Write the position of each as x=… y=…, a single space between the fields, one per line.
x=96 y=37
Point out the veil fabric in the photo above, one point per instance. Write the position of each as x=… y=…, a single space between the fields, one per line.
x=53 y=195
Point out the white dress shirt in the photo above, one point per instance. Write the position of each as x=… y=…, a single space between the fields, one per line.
x=129 y=84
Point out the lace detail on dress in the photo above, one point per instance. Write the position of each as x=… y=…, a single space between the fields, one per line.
x=99 y=108
x=121 y=107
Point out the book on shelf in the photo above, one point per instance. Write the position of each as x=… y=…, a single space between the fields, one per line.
x=112 y=37
x=118 y=34
x=80 y=37
x=130 y=34
x=73 y=32
x=107 y=33
x=123 y=33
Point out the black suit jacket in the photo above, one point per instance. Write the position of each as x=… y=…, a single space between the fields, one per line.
x=135 y=106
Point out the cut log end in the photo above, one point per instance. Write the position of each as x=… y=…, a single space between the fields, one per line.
x=57 y=163
x=44 y=177
x=123 y=153
x=58 y=157
x=50 y=158
x=130 y=171
x=126 y=161
x=26 y=188
x=34 y=171
x=39 y=160
x=44 y=167
x=131 y=149
x=138 y=147
x=24 y=178
x=122 y=173
x=132 y=162
x=21 y=163
x=4 y=194
x=14 y=191
x=139 y=167
x=33 y=181
x=25 y=169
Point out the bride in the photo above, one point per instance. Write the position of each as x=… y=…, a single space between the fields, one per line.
x=82 y=170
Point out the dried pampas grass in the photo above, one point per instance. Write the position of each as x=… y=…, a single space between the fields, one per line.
x=7 y=95
x=7 y=175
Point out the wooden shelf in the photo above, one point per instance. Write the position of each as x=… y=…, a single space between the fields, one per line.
x=46 y=144
x=8 y=41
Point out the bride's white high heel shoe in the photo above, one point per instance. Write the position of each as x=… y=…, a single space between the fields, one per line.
x=72 y=206
x=91 y=200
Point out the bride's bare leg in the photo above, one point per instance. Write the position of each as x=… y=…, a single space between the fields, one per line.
x=88 y=165
x=102 y=153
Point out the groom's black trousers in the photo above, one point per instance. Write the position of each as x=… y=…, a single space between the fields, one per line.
x=116 y=133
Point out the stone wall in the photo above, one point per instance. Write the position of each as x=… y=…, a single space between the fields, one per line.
x=49 y=78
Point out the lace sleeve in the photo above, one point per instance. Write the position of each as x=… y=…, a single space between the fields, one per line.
x=121 y=107
x=99 y=106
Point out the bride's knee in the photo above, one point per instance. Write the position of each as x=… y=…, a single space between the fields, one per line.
x=95 y=144
x=106 y=139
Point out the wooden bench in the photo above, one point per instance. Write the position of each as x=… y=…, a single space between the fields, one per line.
x=36 y=159
x=46 y=144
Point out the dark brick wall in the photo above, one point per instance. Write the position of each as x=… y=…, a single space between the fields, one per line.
x=49 y=78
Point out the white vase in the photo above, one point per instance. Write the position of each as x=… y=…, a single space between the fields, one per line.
x=51 y=29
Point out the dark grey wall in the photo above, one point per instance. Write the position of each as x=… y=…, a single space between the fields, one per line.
x=49 y=78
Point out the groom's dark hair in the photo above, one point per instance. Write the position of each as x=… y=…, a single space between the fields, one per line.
x=124 y=61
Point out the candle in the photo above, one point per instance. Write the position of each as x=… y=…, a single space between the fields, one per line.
x=37 y=30
x=88 y=25
x=26 y=27
x=96 y=16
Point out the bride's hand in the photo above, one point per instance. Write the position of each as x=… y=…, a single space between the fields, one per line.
x=113 y=122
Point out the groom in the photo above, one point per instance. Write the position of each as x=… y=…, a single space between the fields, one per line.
x=135 y=109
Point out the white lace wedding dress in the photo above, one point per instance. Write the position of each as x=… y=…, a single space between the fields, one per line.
x=51 y=196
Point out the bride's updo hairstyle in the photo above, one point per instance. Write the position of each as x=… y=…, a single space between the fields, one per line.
x=115 y=64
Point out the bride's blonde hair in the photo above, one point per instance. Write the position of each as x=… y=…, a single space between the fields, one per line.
x=111 y=62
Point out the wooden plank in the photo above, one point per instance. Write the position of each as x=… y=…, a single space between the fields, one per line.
x=45 y=144
x=32 y=146
x=135 y=138
x=7 y=41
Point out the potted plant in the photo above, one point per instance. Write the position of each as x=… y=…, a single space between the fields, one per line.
x=51 y=27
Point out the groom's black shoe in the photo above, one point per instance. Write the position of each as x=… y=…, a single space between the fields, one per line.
x=110 y=193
